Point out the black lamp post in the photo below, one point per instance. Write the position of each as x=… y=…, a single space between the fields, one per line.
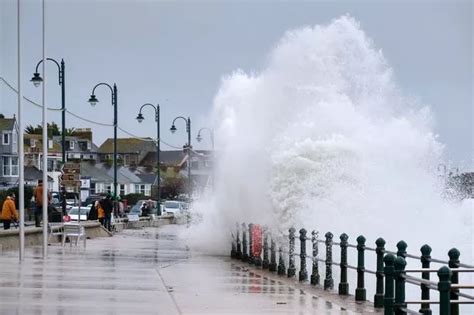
x=187 y=147
x=37 y=80
x=199 y=139
x=93 y=101
x=140 y=118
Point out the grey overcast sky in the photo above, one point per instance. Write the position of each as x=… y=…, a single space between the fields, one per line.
x=176 y=52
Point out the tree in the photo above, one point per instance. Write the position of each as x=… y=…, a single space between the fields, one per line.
x=53 y=129
x=172 y=187
x=2 y=116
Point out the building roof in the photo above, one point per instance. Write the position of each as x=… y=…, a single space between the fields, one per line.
x=128 y=145
x=173 y=157
x=33 y=174
x=95 y=173
x=7 y=123
x=39 y=143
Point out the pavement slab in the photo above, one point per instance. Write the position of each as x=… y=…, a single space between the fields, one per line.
x=147 y=271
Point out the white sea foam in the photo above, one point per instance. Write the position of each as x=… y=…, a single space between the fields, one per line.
x=322 y=138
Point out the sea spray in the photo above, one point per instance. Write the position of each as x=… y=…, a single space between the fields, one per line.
x=322 y=138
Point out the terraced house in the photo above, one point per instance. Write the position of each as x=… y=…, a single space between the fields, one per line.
x=8 y=152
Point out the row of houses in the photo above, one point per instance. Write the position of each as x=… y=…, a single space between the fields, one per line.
x=136 y=161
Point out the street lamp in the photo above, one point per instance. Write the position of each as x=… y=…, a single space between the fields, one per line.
x=93 y=101
x=199 y=139
x=140 y=118
x=37 y=80
x=188 y=146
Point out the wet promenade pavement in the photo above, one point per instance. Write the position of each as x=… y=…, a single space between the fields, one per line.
x=144 y=272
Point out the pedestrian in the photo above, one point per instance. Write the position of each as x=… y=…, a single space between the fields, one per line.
x=108 y=208
x=93 y=214
x=38 y=195
x=9 y=213
x=100 y=211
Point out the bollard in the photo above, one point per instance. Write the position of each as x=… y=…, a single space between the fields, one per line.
x=453 y=265
x=402 y=249
x=273 y=261
x=266 y=262
x=388 y=300
x=245 y=256
x=315 y=272
x=281 y=263
x=343 y=285
x=400 y=305
x=328 y=281
x=239 y=245
x=250 y=258
x=233 y=252
x=425 y=290
x=360 y=294
x=444 y=288
x=303 y=275
x=378 y=297
x=291 y=260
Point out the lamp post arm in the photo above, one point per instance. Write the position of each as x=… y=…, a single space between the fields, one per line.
x=57 y=64
x=156 y=108
x=111 y=91
x=180 y=117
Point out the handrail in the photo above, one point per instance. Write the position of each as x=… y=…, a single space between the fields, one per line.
x=277 y=254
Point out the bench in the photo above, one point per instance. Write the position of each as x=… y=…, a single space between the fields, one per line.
x=74 y=230
x=54 y=229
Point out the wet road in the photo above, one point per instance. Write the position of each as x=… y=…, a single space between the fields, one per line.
x=143 y=272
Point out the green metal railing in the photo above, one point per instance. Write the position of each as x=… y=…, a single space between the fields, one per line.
x=391 y=276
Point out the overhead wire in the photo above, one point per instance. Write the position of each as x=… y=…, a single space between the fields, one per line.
x=85 y=119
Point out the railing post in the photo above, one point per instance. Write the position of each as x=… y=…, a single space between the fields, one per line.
x=453 y=265
x=257 y=258
x=315 y=272
x=388 y=270
x=281 y=262
x=378 y=298
x=245 y=256
x=233 y=252
x=400 y=305
x=360 y=294
x=402 y=249
x=425 y=290
x=343 y=284
x=239 y=245
x=303 y=275
x=328 y=281
x=444 y=288
x=250 y=258
x=273 y=262
x=291 y=260
x=266 y=262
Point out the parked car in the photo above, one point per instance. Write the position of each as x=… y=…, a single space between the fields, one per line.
x=72 y=199
x=92 y=199
x=173 y=207
x=74 y=213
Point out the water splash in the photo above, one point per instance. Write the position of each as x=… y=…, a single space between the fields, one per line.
x=322 y=138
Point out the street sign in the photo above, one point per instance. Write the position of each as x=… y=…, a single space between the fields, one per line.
x=71 y=175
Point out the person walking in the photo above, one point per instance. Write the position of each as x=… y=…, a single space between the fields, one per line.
x=9 y=213
x=100 y=211
x=108 y=206
x=38 y=195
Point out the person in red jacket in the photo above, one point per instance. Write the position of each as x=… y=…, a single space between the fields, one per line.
x=9 y=213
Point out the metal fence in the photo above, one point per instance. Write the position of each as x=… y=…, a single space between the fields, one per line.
x=391 y=276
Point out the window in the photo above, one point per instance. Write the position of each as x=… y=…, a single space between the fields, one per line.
x=141 y=189
x=10 y=166
x=147 y=190
x=6 y=138
x=122 y=189
x=108 y=188
x=33 y=143
x=195 y=165
x=92 y=189
x=50 y=165
x=50 y=144
x=71 y=145
x=89 y=146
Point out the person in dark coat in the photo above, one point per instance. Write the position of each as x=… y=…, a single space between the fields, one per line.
x=108 y=206
x=93 y=213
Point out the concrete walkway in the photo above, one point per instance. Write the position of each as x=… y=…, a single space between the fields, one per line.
x=144 y=272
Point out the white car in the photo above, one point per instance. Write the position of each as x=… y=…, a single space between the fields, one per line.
x=74 y=213
x=172 y=207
